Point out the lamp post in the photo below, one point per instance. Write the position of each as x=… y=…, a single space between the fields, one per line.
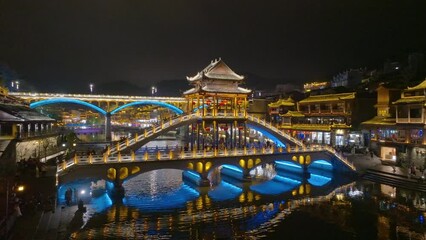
x=153 y=90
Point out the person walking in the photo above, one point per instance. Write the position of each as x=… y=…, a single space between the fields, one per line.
x=68 y=195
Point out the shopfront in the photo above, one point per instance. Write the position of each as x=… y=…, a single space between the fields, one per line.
x=388 y=153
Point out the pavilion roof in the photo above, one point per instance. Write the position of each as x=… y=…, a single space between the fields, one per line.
x=413 y=99
x=217 y=69
x=421 y=85
x=282 y=102
x=380 y=121
x=328 y=97
x=217 y=89
x=293 y=114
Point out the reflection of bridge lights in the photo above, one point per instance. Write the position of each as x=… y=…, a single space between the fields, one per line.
x=340 y=196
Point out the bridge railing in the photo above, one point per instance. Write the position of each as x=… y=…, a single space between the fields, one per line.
x=153 y=130
x=276 y=130
x=175 y=153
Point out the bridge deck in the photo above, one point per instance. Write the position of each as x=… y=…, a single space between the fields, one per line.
x=174 y=154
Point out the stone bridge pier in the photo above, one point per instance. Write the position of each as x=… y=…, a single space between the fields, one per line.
x=117 y=176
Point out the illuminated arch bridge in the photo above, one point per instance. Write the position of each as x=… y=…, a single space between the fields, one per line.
x=198 y=164
x=103 y=104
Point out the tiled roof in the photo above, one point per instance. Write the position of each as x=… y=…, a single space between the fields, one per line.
x=414 y=99
x=292 y=114
x=217 y=89
x=422 y=85
x=217 y=69
x=328 y=97
x=282 y=102
x=23 y=113
x=381 y=121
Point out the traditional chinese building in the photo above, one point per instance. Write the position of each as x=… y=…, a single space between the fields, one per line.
x=216 y=92
x=382 y=127
x=325 y=119
x=23 y=130
x=280 y=107
x=397 y=131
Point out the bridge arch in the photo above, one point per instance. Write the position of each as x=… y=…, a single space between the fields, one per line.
x=67 y=100
x=149 y=102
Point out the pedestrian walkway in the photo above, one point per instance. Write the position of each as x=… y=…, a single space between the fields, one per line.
x=373 y=169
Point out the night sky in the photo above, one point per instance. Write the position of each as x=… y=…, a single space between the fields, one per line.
x=64 y=45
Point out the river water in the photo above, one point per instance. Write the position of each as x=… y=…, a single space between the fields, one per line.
x=275 y=205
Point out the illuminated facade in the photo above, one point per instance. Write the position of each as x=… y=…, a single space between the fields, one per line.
x=397 y=132
x=307 y=87
x=322 y=119
x=280 y=107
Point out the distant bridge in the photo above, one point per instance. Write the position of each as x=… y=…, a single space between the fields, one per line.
x=106 y=105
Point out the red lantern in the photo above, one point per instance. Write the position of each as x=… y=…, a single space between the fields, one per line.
x=241 y=127
x=225 y=128
x=208 y=101
x=239 y=102
x=193 y=103
x=207 y=129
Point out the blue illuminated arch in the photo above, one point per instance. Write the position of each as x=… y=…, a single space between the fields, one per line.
x=149 y=102
x=67 y=100
x=321 y=164
x=278 y=142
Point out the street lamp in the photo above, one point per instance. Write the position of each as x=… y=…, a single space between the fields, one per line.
x=153 y=90
x=91 y=86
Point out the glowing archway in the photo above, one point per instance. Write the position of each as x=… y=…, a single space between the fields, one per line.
x=149 y=102
x=278 y=142
x=67 y=100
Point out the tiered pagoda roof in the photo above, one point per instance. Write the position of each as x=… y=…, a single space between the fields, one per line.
x=217 y=69
x=217 y=77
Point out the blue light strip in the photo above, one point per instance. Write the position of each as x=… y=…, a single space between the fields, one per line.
x=66 y=100
x=232 y=186
x=318 y=180
x=322 y=162
x=320 y=176
x=289 y=164
x=233 y=168
x=149 y=102
x=200 y=107
x=285 y=179
x=193 y=174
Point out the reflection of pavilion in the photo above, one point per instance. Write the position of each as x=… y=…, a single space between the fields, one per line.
x=216 y=92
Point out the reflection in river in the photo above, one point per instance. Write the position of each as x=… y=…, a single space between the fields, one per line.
x=159 y=205
x=280 y=202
